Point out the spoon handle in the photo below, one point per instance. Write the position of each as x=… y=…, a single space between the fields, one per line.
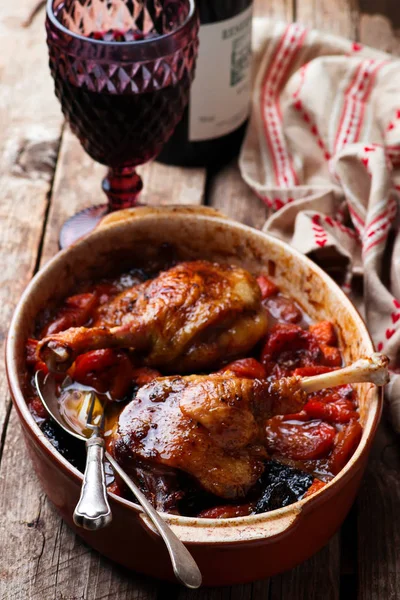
x=183 y=563
x=93 y=511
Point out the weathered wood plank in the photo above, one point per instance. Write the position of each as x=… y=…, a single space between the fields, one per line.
x=53 y=562
x=281 y=10
x=77 y=185
x=210 y=594
x=28 y=149
x=379 y=498
x=379 y=31
x=29 y=134
x=56 y=564
x=231 y=195
x=29 y=138
x=336 y=16
x=378 y=520
x=387 y=8
x=41 y=558
x=318 y=577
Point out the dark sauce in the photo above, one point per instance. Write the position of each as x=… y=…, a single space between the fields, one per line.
x=72 y=449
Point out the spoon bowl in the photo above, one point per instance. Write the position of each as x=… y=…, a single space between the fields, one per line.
x=93 y=510
x=47 y=389
x=184 y=566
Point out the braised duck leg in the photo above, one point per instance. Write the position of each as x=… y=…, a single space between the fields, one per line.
x=212 y=427
x=189 y=318
x=207 y=426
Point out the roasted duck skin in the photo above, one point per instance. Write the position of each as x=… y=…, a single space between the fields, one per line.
x=191 y=317
x=210 y=427
x=217 y=427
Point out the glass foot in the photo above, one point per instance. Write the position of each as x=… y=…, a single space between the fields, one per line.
x=81 y=224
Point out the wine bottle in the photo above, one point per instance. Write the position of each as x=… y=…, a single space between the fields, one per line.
x=213 y=125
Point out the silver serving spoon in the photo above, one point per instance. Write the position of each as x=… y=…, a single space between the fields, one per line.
x=93 y=510
x=92 y=497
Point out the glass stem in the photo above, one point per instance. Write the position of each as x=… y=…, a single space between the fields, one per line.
x=122 y=187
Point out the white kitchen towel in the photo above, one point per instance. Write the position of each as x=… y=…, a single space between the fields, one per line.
x=322 y=150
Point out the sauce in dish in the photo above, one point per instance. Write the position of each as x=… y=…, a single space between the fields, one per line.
x=196 y=366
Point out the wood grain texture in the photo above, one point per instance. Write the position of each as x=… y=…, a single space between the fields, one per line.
x=334 y=16
x=77 y=185
x=42 y=559
x=29 y=137
x=274 y=9
x=388 y=8
x=231 y=195
x=318 y=577
x=379 y=521
x=378 y=503
x=377 y=31
x=55 y=563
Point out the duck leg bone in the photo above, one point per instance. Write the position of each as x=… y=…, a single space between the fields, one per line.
x=372 y=369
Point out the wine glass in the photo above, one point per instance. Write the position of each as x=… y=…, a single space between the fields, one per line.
x=122 y=72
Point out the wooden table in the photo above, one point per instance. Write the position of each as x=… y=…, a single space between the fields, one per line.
x=46 y=177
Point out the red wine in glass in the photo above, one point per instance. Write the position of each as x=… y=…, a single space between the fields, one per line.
x=122 y=72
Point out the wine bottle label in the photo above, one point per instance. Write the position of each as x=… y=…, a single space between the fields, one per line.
x=220 y=93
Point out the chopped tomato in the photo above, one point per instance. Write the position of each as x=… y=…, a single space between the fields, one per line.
x=283 y=309
x=331 y=356
x=313 y=370
x=105 y=370
x=38 y=408
x=300 y=441
x=144 y=375
x=76 y=311
x=340 y=393
x=94 y=361
x=267 y=287
x=344 y=391
x=248 y=368
x=31 y=356
x=285 y=337
x=332 y=412
x=30 y=348
x=316 y=485
x=105 y=291
x=300 y=416
x=226 y=512
x=81 y=301
x=287 y=348
x=325 y=333
x=117 y=487
x=345 y=446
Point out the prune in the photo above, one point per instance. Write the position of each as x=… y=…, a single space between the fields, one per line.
x=281 y=485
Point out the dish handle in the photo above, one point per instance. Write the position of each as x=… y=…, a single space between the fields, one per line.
x=138 y=212
x=220 y=531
